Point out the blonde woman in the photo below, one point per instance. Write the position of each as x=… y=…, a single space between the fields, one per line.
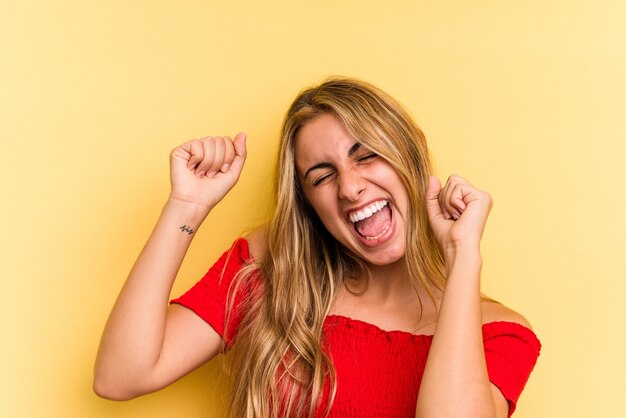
x=360 y=298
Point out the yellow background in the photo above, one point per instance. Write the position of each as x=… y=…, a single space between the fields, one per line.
x=526 y=99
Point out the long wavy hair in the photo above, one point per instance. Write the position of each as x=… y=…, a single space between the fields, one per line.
x=279 y=362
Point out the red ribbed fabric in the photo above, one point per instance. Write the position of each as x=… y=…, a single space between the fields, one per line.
x=378 y=372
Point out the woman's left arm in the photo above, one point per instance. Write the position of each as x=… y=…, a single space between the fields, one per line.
x=455 y=381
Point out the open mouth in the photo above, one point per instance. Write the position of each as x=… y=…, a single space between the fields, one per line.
x=373 y=221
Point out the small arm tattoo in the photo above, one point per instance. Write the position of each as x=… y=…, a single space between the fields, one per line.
x=187 y=229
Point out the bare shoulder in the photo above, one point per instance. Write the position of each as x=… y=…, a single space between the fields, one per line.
x=257 y=242
x=495 y=311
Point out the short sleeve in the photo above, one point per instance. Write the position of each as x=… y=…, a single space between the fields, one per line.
x=209 y=297
x=511 y=352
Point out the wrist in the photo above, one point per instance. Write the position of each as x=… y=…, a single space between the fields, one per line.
x=191 y=213
x=466 y=254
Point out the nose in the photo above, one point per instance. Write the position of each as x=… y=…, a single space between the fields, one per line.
x=351 y=185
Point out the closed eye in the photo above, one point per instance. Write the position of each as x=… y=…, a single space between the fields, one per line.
x=369 y=156
x=320 y=179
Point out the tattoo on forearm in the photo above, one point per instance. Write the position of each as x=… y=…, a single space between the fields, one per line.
x=186 y=229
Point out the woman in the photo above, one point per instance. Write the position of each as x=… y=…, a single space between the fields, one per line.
x=360 y=298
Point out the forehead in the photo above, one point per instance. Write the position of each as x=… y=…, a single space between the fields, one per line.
x=323 y=138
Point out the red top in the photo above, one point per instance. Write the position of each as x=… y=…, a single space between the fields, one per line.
x=378 y=372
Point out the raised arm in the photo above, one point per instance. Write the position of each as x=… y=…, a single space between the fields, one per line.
x=455 y=381
x=147 y=345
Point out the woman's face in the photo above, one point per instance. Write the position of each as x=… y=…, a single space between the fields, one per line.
x=357 y=195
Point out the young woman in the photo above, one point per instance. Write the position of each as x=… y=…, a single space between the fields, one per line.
x=360 y=298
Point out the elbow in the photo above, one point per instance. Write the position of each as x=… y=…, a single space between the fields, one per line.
x=111 y=390
x=123 y=384
x=110 y=393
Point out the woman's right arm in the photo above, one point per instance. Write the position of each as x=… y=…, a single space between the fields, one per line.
x=147 y=345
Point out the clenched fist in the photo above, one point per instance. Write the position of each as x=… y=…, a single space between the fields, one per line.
x=458 y=212
x=204 y=170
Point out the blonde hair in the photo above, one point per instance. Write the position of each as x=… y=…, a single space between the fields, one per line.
x=279 y=362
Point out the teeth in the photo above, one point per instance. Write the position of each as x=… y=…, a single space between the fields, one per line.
x=368 y=211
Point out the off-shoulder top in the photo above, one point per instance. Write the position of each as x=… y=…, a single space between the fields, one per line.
x=378 y=372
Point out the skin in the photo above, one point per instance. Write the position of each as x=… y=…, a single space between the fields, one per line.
x=348 y=182
x=147 y=345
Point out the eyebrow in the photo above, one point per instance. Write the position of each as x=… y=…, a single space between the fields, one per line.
x=354 y=148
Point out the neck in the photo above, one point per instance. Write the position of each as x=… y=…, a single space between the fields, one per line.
x=390 y=285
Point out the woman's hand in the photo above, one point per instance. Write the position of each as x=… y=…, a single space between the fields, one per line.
x=458 y=212
x=204 y=170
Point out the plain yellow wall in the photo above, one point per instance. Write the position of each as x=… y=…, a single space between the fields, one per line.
x=526 y=99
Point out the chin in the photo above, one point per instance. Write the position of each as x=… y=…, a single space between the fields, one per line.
x=381 y=260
